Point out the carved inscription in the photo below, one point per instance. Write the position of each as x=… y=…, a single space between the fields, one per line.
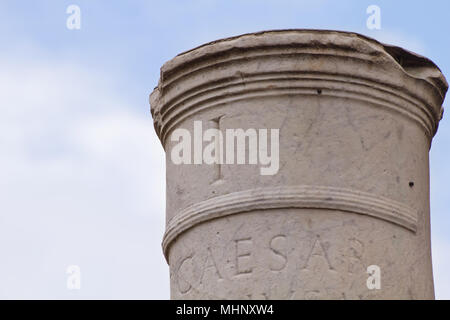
x=210 y=265
x=318 y=252
x=243 y=256
x=279 y=256
x=183 y=284
x=215 y=123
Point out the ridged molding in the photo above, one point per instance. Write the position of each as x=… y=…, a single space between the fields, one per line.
x=298 y=62
x=301 y=197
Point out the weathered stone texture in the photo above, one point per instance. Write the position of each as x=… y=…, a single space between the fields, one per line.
x=356 y=120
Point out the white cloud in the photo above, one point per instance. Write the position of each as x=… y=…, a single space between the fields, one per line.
x=441 y=265
x=80 y=183
x=82 y=172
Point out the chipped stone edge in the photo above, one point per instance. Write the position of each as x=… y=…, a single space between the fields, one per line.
x=397 y=57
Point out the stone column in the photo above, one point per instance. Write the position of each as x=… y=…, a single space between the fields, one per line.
x=351 y=191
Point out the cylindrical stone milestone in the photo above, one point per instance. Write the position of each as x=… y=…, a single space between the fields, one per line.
x=298 y=168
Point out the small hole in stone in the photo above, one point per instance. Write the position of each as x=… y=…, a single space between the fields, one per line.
x=319 y=91
x=411 y=184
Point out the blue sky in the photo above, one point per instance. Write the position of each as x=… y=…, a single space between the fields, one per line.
x=81 y=170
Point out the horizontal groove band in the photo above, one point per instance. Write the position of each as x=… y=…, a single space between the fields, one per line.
x=217 y=87
x=302 y=197
x=304 y=85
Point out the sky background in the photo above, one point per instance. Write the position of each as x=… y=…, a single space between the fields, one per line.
x=82 y=174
